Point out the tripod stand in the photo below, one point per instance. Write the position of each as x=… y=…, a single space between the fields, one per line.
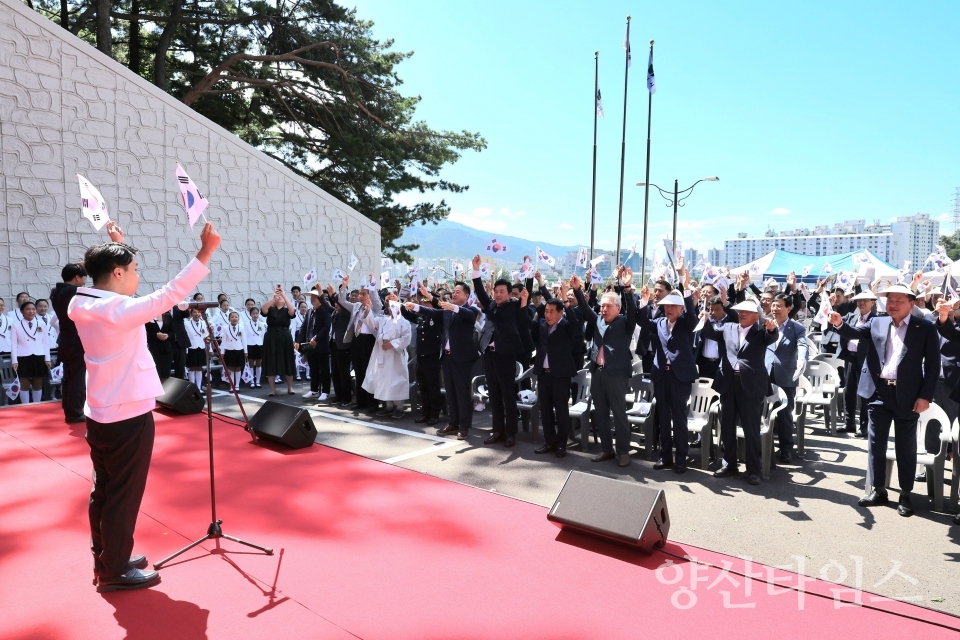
x=214 y=531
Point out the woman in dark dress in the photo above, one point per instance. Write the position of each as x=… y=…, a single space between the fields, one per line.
x=160 y=343
x=278 y=358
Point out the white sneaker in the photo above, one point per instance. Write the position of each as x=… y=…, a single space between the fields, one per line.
x=322 y=398
x=309 y=394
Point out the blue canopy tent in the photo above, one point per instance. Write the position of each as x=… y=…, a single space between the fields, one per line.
x=779 y=263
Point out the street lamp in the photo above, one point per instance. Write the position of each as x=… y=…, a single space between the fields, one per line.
x=675 y=201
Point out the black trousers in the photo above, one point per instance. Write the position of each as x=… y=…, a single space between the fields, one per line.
x=707 y=368
x=672 y=396
x=941 y=396
x=785 y=420
x=736 y=403
x=319 y=363
x=851 y=401
x=179 y=361
x=341 y=374
x=500 y=371
x=121 y=453
x=552 y=394
x=457 y=377
x=428 y=379
x=360 y=351
x=73 y=388
x=882 y=410
x=609 y=393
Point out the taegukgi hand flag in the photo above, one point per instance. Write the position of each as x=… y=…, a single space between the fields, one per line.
x=582 y=257
x=193 y=201
x=651 y=80
x=92 y=205
x=543 y=257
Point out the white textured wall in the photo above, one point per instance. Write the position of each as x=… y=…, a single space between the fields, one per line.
x=66 y=108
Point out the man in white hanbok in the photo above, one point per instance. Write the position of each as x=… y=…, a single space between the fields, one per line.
x=387 y=378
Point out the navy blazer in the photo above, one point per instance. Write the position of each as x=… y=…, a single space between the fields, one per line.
x=750 y=358
x=503 y=320
x=615 y=340
x=950 y=357
x=845 y=354
x=919 y=366
x=677 y=347
x=782 y=356
x=557 y=345
x=456 y=327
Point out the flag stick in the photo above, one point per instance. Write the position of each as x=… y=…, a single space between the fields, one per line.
x=593 y=193
x=623 y=139
x=646 y=187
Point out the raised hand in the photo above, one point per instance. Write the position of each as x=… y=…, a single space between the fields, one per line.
x=645 y=293
x=409 y=306
x=476 y=262
x=114 y=231
x=575 y=282
x=346 y=280
x=447 y=306
x=770 y=324
x=626 y=276
x=835 y=319
x=424 y=292
x=539 y=277
x=524 y=297
x=329 y=289
x=209 y=241
x=943 y=308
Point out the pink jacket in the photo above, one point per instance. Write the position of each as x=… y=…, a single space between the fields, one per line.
x=122 y=379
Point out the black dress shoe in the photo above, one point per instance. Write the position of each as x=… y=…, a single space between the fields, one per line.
x=725 y=472
x=462 y=435
x=785 y=457
x=660 y=464
x=509 y=441
x=876 y=498
x=859 y=434
x=138 y=561
x=905 y=508
x=421 y=419
x=921 y=477
x=73 y=419
x=561 y=453
x=133 y=579
x=680 y=470
x=754 y=479
x=448 y=430
x=496 y=436
x=956 y=519
x=547 y=448
x=432 y=421
x=601 y=457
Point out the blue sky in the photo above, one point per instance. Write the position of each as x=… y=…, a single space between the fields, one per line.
x=810 y=113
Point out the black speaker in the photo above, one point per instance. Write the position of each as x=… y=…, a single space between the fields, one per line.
x=622 y=511
x=181 y=396
x=284 y=424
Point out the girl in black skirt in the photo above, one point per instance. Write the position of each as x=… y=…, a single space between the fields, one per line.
x=30 y=352
x=277 y=342
x=233 y=347
x=160 y=343
x=197 y=351
x=256 y=328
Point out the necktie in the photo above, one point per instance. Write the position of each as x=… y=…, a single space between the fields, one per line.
x=30 y=325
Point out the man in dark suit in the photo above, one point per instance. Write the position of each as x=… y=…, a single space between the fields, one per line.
x=428 y=332
x=315 y=331
x=674 y=369
x=853 y=357
x=708 y=351
x=742 y=382
x=610 y=364
x=554 y=367
x=458 y=353
x=947 y=394
x=787 y=358
x=569 y=300
x=645 y=340
x=501 y=347
x=73 y=388
x=899 y=379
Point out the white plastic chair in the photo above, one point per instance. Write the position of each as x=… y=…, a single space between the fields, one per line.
x=800 y=411
x=533 y=409
x=581 y=407
x=702 y=418
x=642 y=411
x=824 y=382
x=933 y=462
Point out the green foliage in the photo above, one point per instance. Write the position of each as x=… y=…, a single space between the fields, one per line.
x=333 y=114
x=952 y=244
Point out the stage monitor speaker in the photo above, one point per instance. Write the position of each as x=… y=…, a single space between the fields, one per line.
x=181 y=396
x=284 y=424
x=625 y=512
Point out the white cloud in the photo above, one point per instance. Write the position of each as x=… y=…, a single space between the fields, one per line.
x=482 y=212
x=780 y=211
x=513 y=215
x=479 y=222
x=564 y=225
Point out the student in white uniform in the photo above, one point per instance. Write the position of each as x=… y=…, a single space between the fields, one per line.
x=221 y=317
x=5 y=328
x=253 y=339
x=49 y=320
x=30 y=353
x=197 y=351
x=122 y=388
x=248 y=304
x=387 y=376
x=295 y=323
x=14 y=314
x=234 y=348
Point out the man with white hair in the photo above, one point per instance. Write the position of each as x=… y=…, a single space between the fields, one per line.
x=610 y=364
x=674 y=368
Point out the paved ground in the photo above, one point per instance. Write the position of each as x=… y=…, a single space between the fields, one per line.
x=803 y=519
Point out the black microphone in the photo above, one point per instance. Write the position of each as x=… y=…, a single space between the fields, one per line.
x=202 y=306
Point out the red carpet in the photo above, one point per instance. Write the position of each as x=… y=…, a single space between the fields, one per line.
x=369 y=550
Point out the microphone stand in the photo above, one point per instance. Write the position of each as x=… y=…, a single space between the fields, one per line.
x=215 y=531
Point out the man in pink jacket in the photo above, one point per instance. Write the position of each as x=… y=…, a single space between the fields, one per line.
x=122 y=387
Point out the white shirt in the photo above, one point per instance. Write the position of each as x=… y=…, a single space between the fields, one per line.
x=893 y=349
x=29 y=339
x=254 y=333
x=14 y=315
x=52 y=326
x=711 y=349
x=5 y=329
x=743 y=331
x=233 y=338
x=196 y=332
x=853 y=344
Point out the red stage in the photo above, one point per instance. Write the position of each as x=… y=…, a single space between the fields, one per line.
x=369 y=550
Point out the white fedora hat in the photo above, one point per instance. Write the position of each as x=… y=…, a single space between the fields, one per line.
x=747 y=305
x=672 y=298
x=865 y=295
x=899 y=288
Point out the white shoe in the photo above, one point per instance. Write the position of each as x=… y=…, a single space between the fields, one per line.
x=322 y=398
x=309 y=394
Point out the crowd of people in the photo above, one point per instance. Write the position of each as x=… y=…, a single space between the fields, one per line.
x=897 y=349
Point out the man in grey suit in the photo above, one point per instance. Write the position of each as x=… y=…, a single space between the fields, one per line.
x=786 y=358
x=898 y=379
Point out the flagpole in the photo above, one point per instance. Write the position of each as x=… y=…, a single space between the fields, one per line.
x=646 y=188
x=593 y=193
x=623 y=140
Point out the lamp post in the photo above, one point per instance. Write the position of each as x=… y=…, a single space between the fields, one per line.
x=674 y=200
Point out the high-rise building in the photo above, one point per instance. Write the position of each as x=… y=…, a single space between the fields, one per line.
x=716 y=257
x=914 y=239
x=691 y=257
